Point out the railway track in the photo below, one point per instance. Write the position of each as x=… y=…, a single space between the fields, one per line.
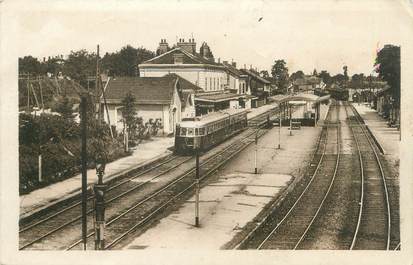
x=368 y=223
x=288 y=229
x=37 y=234
x=57 y=220
x=373 y=229
x=129 y=221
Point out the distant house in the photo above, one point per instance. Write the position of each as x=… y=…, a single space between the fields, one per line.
x=258 y=87
x=168 y=98
x=236 y=79
x=308 y=83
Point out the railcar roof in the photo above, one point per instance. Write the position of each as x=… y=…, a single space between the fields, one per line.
x=211 y=117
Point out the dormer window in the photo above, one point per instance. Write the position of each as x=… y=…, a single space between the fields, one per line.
x=178 y=58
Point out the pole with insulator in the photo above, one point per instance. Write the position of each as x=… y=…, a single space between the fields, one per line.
x=83 y=105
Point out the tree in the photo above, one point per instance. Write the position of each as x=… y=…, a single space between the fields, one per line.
x=357 y=80
x=326 y=77
x=79 y=65
x=125 y=62
x=129 y=111
x=53 y=65
x=297 y=75
x=315 y=72
x=279 y=72
x=264 y=74
x=29 y=65
x=345 y=72
x=339 y=79
x=65 y=108
x=388 y=67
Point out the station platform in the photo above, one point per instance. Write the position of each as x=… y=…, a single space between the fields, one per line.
x=145 y=153
x=235 y=195
x=387 y=137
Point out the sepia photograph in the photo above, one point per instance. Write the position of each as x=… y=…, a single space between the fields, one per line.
x=248 y=127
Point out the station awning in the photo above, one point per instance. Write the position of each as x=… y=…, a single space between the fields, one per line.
x=298 y=97
x=218 y=97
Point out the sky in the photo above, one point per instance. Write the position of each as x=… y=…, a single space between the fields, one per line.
x=313 y=34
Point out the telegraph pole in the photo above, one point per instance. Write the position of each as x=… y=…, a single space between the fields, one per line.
x=291 y=120
x=83 y=105
x=279 y=131
x=197 y=188
x=255 y=152
x=97 y=86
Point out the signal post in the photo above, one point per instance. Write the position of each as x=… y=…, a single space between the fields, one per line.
x=99 y=192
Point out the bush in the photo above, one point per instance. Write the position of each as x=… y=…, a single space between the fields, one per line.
x=60 y=144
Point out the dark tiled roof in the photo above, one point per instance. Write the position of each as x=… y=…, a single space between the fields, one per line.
x=148 y=90
x=255 y=76
x=233 y=70
x=188 y=58
x=185 y=85
x=154 y=90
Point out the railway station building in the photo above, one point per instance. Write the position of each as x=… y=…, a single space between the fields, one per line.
x=307 y=108
x=223 y=85
x=169 y=98
x=183 y=60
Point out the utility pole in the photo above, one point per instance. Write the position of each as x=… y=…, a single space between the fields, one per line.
x=83 y=105
x=255 y=152
x=97 y=86
x=279 y=130
x=291 y=120
x=197 y=188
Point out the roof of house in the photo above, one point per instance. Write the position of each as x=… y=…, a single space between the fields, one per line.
x=148 y=90
x=255 y=76
x=188 y=58
x=233 y=70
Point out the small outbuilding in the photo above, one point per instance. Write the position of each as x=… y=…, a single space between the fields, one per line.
x=169 y=99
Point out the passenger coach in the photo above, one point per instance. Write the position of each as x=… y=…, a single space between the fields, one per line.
x=208 y=130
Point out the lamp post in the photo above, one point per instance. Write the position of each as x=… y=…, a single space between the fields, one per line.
x=99 y=192
x=279 y=130
x=196 y=186
x=255 y=152
x=291 y=120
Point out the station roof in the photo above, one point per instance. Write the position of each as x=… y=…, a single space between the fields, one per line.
x=188 y=58
x=299 y=97
x=217 y=97
x=211 y=117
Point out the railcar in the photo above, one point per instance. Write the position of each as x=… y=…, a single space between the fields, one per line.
x=206 y=131
x=339 y=94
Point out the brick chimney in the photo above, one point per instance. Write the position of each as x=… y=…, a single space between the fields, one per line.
x=189 y=46
x=163 y=47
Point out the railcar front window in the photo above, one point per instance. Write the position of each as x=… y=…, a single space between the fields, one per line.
x=183 y=131
x=190 y=131
x=201 y=131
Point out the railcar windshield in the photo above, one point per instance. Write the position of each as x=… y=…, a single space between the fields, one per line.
x=183 y=131
x=190 y=132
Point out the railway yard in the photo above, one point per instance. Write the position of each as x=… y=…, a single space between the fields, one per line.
x=328 y=187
